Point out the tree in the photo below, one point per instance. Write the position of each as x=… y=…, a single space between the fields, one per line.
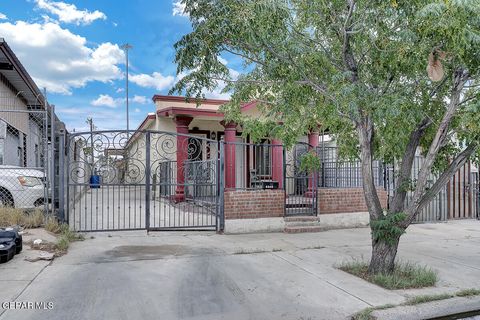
x=387 y=78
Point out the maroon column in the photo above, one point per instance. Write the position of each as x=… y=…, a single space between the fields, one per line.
x=182 y=123
x=230 y=139
x=277 y=162
x=312 y=145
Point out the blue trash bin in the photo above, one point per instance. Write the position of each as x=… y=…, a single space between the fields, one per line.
x=95 y=181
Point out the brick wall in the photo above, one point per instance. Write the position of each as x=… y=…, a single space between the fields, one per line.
x=343 y=200
x=251 y=204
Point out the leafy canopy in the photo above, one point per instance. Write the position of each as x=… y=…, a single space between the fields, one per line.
x=296 y=66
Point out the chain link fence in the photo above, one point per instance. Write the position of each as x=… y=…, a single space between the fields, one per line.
x=26 y=154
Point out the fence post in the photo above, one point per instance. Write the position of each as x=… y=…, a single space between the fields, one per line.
x=69 y=153
x=284 y=163
x=61 y=176
x=221 y=190
x=53 y=158
x=147 y=180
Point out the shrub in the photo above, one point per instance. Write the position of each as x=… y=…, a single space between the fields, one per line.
x=18 y=217
x=406 y=275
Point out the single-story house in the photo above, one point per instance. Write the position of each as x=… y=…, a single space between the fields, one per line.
x=262 y=182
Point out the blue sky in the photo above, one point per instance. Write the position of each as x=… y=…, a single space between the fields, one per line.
x=72 y=48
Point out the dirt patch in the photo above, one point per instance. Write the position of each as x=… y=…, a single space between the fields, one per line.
x=46 y=246
x=156 y=252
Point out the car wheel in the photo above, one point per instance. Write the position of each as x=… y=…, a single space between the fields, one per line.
x=6 y=199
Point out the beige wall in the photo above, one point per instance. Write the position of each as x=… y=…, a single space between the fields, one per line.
x=161 y=105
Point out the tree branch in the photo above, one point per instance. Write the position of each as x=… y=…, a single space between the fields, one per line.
x=459 y=79
x=348 y=57
x=398 y=201
x=454 y=166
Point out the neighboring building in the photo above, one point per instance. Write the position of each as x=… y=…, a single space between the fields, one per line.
x=22 y=126
x=26 y=121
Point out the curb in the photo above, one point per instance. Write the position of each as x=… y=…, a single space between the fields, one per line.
x=431 y=310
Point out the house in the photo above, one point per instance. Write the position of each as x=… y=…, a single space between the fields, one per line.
x=185 y=167
x=262 y=184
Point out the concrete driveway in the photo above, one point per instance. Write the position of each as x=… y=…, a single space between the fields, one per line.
x=114 y=207
x=129 y=275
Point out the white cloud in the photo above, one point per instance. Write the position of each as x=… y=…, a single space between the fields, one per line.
x=3 y=16
x=120 y=90
x=69 y=13
x=217 y=93
x=60 y=60
x=140 y=99
x=137 y=110
x=156 y=80
x=105 y=100
x=179 y=9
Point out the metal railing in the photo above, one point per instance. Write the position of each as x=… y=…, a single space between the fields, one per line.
x=339 y=173
x=254 y=166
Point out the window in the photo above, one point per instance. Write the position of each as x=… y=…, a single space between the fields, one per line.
x=263 y=157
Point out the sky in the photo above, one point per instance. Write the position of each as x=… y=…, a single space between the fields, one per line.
x=73 y=49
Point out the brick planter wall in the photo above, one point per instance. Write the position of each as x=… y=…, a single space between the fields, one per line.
x=252 y=204
x=345 y=200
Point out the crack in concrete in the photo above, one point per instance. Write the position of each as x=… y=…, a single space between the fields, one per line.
x=25 y=288
x=322 y=279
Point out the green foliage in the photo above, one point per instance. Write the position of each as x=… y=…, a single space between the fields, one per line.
x=468 y=292
x=52 y=225
x=293 y=66
x=310 y=162
x=387 y=227
x=428 y=298
x=19 y=217
x=356 y=71
x=405 y=275
x=62 y=244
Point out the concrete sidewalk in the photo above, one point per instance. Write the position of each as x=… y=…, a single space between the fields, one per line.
x=187 y=275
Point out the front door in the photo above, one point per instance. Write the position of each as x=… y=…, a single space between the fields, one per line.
x=300 y=186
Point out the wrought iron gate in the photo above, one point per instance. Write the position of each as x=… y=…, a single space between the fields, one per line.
x=300 y=186
x=119 y=180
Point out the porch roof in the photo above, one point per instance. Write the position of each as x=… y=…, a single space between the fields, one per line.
x=194 y=112
x=172 y=106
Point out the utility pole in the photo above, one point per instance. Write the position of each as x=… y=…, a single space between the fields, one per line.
x=125 y=48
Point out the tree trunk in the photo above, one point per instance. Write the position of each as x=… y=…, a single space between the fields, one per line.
x=383 y=256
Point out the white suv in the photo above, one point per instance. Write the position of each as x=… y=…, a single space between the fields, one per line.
x=21 y=187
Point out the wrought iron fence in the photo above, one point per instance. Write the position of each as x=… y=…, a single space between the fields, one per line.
x=338 y=173
x=253 y=166
x=300 y=185
x=476 y=194
x=125 y=180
